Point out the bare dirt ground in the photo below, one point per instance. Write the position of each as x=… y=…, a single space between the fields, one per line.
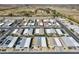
x=74 y=13
x=28 y=11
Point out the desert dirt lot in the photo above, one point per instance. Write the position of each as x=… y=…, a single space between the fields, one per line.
x=73 y=13
x=39 y=11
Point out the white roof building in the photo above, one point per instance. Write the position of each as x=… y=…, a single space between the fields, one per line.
x=1 y=24
x=25 y=23
x=12 y=42
x=14 y=32
x=25 y=31
x=67 y=41
x=51 y=20
x=27 y=43
x=41 y=23
x=36 y=42
x=37 y=30
x=58 y=42
x=48 y=30
x=74 y=41
x=76 y=30
x=21 y=43
x=43 y=42
x=59 y=31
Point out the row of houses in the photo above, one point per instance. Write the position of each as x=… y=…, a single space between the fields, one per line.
x=72 y=26
x=31 y=22
x=8 y=43
x=65 y=44
x=56 y=44
x=39 y=31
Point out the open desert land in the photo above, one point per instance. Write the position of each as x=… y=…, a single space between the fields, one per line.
x=71 y=12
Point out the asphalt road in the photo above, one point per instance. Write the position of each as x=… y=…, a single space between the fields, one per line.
x=68 y=31
x=24 y=27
